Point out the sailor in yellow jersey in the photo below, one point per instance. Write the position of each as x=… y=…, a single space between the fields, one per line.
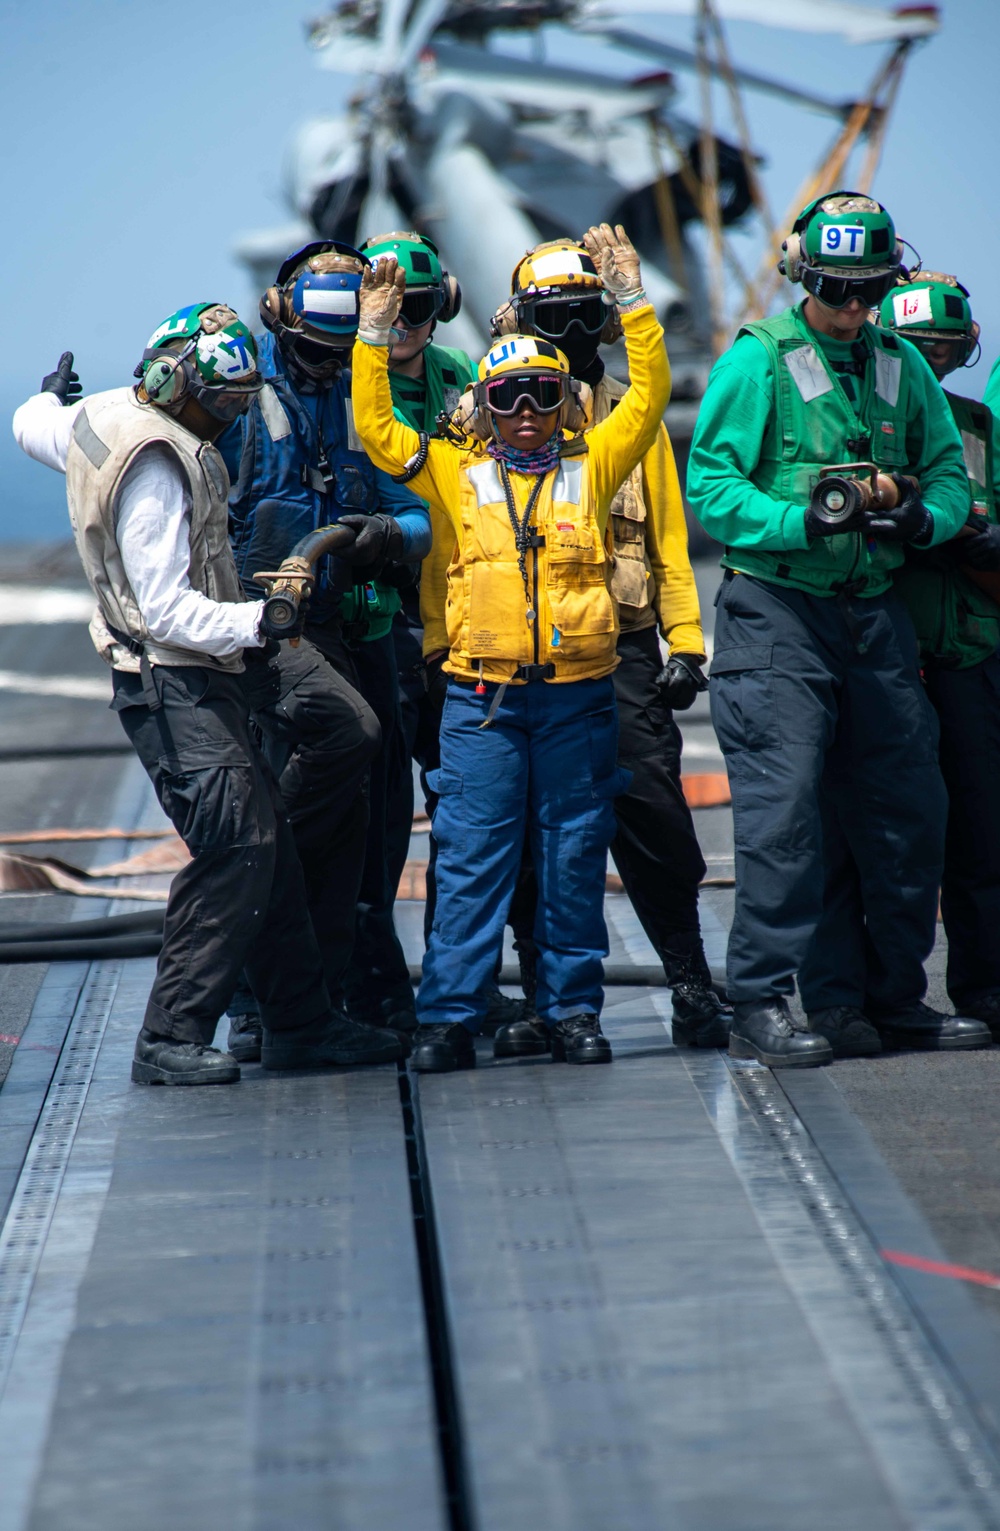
x=529 y=735
x=557 y=295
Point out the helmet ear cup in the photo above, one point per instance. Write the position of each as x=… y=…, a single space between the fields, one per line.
x=612 y=330
x=270 y=307
x=505 y=320
x=452 y=305
x=165 y=382
x=476 y=421
x=276 y=309
x=790 y=264
x=577 y=408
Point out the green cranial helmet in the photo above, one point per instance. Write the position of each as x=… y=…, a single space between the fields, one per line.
x=932 y=310
x=431 y=294
x=203 y=351
x=842 y=246
x=418 y=257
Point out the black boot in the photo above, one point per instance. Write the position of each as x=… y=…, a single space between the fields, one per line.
x=522 y=1039
x=700 y=1018
x=245 y=1035
x=579 y=1039
x=501 y=1011
x=765 y=1029
x=395 y=1010
x=331 y=1041
x=918 y=1026
x=159 y=1060
x=986 y=1009
x=443 y=1048
x=398 y=1010
x=527 y=961
x=847 y=1029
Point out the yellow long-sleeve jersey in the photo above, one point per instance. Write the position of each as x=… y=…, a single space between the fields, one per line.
x=570 y=623
x=654 y=513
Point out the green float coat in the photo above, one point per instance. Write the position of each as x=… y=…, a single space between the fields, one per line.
x=775 y=413
x=991 y=398
x=419 y=400
x=957 y=624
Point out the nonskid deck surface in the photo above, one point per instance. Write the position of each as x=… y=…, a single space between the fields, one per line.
x=622 y=1298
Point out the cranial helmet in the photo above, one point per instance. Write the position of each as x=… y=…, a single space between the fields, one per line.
x=522 y=357
x=843 y=242
x=204 y=352
x=313 y=308
x=426 y=279
x=554 y=292
x=929 y=309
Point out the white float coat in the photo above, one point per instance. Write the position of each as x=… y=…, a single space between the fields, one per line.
x=152 y=522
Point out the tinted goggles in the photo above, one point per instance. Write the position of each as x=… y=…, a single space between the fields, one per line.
x=836 y=291
x=555 y=317
x=944 y=352
x=541 y=391
x=229 y=402
x=420 y=306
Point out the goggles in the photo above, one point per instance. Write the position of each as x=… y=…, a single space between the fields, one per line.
x=420 y=306
x=836 y=291
x=230 y=400
x=543 y=392
x=223 y=401
x=960 y=348
x=555 y=317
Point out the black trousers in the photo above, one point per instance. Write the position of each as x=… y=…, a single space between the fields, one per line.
x=838 y=804
x=320 y=738
x=967 y=703
x=377 y=972
x=240 y=903
x=655 y=847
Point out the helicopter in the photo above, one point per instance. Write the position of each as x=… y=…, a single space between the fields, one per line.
x=487 y=153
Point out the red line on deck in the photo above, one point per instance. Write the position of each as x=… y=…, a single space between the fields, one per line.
x=940 y=1268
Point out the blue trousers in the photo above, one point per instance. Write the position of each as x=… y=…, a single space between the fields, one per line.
x=838 y=803
x=546 y=765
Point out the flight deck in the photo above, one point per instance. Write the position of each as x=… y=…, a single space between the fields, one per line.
x=678 y=1292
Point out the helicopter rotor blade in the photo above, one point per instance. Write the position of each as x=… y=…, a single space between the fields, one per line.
x=392 y=18
x=684 y=58
x=857 y=23
x=419 y=30
x=553 y=87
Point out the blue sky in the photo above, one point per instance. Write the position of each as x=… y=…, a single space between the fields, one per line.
x=139 y=139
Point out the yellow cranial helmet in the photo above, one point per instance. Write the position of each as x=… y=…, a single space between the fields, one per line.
x=522 y=353
x=557 y=294
x=555 y=264
x=522 y=368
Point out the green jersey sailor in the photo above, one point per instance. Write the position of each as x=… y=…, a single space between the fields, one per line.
x=958 y=628
x=839 y=807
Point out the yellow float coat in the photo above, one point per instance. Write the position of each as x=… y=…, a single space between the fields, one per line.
x=575 y=627
x=653 y=582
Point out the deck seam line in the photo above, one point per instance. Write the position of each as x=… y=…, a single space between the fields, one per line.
x=33 y=1204
x=447 y=1400
x=945 y=1410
